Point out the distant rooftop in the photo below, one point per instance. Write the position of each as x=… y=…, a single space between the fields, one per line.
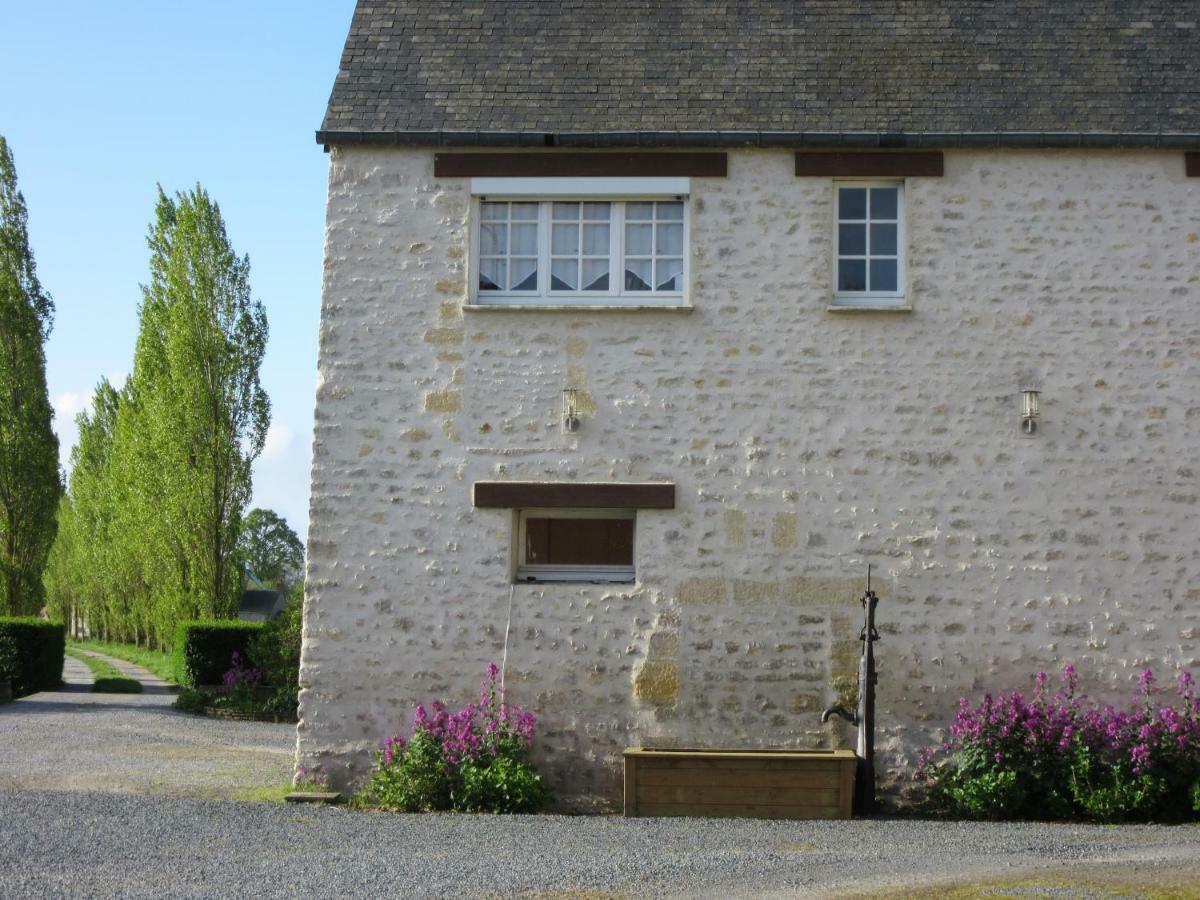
x=769 y=72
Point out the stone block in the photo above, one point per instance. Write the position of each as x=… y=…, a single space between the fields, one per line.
x=784 y=530
x=753 y=593
x=657 y=682
x=443 y=401
x=702 y=591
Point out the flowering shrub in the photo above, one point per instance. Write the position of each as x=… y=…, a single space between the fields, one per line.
x=240 y=674
x=473 y=760
x=1057 y=756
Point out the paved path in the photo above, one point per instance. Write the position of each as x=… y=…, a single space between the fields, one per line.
x=102 y=845
x=72 y=739
x=151 y=683
x=77 y=677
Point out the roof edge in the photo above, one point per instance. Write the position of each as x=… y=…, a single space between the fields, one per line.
x=1091 y=140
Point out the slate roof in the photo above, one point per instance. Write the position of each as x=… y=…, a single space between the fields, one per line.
x=722 y=72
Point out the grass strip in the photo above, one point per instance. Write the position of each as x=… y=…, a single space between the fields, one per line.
x=155 y=660
x=108 y=679
x=275 y=793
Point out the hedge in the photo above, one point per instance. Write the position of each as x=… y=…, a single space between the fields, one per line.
x=203 y=650
x=31 y=654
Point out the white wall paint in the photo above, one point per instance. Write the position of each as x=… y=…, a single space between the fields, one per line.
x=804 y=444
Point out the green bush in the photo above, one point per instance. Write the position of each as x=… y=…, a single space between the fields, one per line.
x=31 y=654
x=204 y=650
x=275 y=652
x=502 y=785
x=192 y=700
x=419 y=779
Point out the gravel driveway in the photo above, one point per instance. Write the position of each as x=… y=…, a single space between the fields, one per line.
x=120 y=796
x=102 y=845
x=73 y=740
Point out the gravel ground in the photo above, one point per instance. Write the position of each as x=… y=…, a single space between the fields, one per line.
x=120 y=796
x=135 y=743
x=108 y=845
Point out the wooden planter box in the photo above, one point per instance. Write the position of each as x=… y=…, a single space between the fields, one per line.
x=784 y=784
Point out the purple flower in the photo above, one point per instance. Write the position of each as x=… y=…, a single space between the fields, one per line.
x=478 y=730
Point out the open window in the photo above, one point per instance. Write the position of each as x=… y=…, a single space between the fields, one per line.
x=584 y=545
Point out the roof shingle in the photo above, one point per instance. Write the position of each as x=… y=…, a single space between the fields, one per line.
x=638 y=71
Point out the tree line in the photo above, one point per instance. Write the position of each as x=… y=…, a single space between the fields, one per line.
x=146 y=529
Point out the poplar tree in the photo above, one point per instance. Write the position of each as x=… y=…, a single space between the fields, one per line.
x=82 y=583
x=29 y=479
x=194 y=419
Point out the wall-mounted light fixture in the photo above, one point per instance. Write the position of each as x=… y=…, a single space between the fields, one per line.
x=1029 y=411
x=570 y=409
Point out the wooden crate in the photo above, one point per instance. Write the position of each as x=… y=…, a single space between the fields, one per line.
x=784 y=784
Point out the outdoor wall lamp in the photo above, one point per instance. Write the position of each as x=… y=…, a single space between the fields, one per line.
x=1029 y=411
x=570 y=410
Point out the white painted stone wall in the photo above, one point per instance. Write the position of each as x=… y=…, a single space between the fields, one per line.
x=804 y=444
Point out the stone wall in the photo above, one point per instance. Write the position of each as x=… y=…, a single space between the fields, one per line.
x=804 y=444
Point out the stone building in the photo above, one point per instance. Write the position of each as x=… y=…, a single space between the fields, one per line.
x=646 y=327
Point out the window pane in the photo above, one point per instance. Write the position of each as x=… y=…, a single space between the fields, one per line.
x=564 y=275
x=598 y=212
x=595 y=240
x=852 y=240
x=491 y=274
x=527 y=212
x=883 y=239
x=524 y=275
x=669 y=275
x=566 y=239
x=595 y=275
x=568 y=212
x=524 y=240
x=669 y=239
x=579 y=542
x=638 y=240
x=671 y=211
x=883 y=275
x=640 y=212
x=493 y=239
x=883 y=203
x=637 y=274
x=493 y=210
x=852 y=274
x=852 y=203
x=537 y=542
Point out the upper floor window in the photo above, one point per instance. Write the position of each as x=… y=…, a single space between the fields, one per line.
x=581 y=252
x=869 y=244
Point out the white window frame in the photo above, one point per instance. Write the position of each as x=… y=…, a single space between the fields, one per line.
x=872 y=299
x=546 y=192
x=526 y=573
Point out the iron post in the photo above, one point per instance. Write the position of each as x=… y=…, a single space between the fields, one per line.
x=864 y=716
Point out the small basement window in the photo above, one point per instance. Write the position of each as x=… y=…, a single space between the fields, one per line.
x=575 y=545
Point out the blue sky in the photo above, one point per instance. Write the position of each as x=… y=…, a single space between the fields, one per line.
x=101 y=101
